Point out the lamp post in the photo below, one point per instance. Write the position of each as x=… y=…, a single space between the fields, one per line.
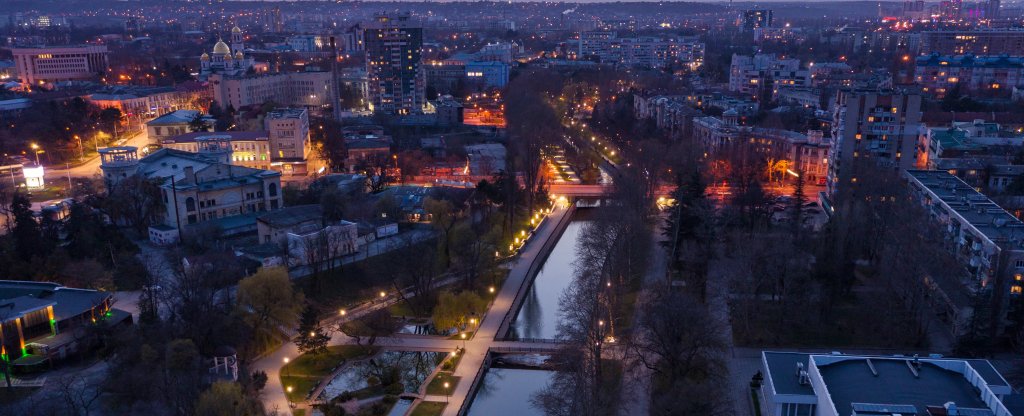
x=447 y=393
x=286 y=360
x=35 y=149
x=342 y=312
x=463 y=335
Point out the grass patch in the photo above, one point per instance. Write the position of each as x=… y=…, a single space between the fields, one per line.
x=436 y=386
x=299 y=412
x=451 y=363
x=304 y=373
x=429 y=409
x=402 y=308
x=322 y=365
x=301 y=386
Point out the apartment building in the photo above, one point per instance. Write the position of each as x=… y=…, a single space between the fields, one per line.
x=993 y=75
x=288 y=130
x=752 y=75
x=299 y=89
x=977 y=42
x=806 y=153
x=397 y=82
x=48 y=65
x=987 y=239
x=876 y=125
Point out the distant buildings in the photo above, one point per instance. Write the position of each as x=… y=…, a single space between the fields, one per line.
x=226 y=60
x=977 y=42
x=753 y=75
x=994 y=75
x=861 y=385
x=643 y=51
x=756 y=18
x=397 y=82
x=49 y=65
x=878 y=126
x=294 y=89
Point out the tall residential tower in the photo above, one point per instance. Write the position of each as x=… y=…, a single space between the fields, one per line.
x=397 y=83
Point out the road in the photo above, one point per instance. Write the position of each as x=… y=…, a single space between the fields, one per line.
x=274 y=398
x=92 y=166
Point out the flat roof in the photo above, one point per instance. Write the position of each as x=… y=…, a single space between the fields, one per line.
x=782 y=370
x=851 y=381
x=290 y=216
x=970 y=205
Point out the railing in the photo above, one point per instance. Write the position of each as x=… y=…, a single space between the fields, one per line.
x=477 y=378
x=518 y=350
x=532 y=270
x=539 y=340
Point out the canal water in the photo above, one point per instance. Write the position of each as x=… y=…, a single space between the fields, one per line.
x=538 y=315
x=509 y=391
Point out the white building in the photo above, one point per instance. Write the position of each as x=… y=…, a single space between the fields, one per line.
x=800 y=384
x=47 y=65
x=227 y=60
x=751 y=75
x=197 y=187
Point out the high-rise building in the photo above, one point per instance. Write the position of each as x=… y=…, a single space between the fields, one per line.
x=878 y=126
x=44 y=65
x=753 y=19
x=397 y=82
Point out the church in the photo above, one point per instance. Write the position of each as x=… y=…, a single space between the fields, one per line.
x=227 y=60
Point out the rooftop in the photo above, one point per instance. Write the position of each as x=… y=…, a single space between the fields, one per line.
x=235 y=135
x=970 y=205
x=67 y=302
x=291 y=216
x=175 y=117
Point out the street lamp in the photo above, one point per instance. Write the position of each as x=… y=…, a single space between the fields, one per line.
x=286 y=360
x=382 y=296
x=463 y=335
x=35 y=149
x=447 y=393
x=342 y=312
x=289 y=388
x=491 y=289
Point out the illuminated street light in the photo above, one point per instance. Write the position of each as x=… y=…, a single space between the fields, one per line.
x=342 y=312
x=491 y=289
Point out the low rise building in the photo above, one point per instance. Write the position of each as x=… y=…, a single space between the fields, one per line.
x=174 y=124
x=837 y=384
x=42 y=321
x=53 y=64
x=805 y=154
x=248 y=148
x=196 y=187
x=288 y=130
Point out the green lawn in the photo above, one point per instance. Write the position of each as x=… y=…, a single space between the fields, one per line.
x=301 y=386
x=321 y=365
x=454 y=362
x=402 y=308
x=299 y=412
x=436 y=385
x=429 y=409
x=458 y=336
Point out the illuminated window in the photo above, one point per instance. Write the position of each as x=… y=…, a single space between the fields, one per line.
x=1018 y=277
x=1015 y=289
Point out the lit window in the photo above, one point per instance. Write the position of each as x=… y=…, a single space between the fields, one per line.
x=1015 y=289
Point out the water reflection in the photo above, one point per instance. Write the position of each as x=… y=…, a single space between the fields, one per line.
x=508 y=391
x=538 y=317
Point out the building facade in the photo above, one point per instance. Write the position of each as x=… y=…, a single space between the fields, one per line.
x=197 y=187
x=48 y=65
x=248 y=148
x=397 y=82
x=976 y=42
x=879 y=126
x=300 y=89
x=288 y=129
x=993 y=75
